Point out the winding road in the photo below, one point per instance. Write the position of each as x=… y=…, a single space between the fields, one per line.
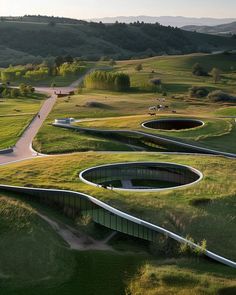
x=23 y=150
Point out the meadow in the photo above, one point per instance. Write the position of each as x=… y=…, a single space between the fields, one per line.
x=117 y=110
x=33 y=257
x=187 y=211
x=133 y=266
x=15 y=115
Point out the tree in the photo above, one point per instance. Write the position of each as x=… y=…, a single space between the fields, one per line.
x=139 y=67
x=198 y=92
x=23 y=89
x=69 y=59
x=52 y=23
x=59 y=60
x=216 y=74
x=14 y=92
x=198 y=70
x=122 y=82
x=107 y=81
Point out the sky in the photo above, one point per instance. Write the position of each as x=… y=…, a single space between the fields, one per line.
x=84 y=9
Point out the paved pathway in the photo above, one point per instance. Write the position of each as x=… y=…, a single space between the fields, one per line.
x=23 y=148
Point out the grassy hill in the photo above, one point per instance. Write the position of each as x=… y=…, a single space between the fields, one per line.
x=43 y=37
x=224 y=29
x=33 y=260
x=128 y=110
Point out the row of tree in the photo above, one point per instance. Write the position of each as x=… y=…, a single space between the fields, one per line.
x=9 y=92
x=107 y=81
x=62 y=66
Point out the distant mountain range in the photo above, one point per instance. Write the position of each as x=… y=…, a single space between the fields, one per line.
x=225 y=29
x=174 y=21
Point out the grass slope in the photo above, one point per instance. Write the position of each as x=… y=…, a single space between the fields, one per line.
x=193 y=210
x=34 y=260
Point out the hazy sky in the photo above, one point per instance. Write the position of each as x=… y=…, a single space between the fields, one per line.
x=84 y=9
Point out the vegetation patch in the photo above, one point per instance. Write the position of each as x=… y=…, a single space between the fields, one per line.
x=103 y=80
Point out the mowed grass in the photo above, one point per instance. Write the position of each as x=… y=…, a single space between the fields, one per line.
x=123 y=110
x=56 y=141
x=176 y=75
x=218 y=134
x=15 y=115
x=204 y=211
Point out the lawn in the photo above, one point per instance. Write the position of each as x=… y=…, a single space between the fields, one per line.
x=188 y=211
x=15 y=115
x=122 y=110
x=109 y=110
x=214 y=134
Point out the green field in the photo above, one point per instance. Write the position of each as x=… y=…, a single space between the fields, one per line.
x=178 y=210
x=15 y=115
x=191 y=211
x=128 y=110
x=35 y=260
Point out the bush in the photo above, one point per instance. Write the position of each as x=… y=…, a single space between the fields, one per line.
x=219 y=95
x=156 y=81
x=198 y=92
x=198 y=70
x=139 y=68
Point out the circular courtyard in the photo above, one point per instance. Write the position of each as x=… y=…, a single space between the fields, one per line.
x=141 y=176
x=173 y=124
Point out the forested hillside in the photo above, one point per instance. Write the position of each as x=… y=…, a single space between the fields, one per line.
x=24 y=40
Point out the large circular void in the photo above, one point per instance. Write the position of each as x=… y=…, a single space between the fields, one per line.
x=141 y=176
x=173 y=124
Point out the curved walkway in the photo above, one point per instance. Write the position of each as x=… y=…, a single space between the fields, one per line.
x=23 y=150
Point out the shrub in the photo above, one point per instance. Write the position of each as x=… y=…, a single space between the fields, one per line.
x=139 y=67
x=198 y=70
x=198 y=92
x=219 y=95
x=156 y=81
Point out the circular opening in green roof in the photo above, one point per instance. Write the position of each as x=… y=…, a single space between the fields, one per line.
x=173 y=124
x=141 y=176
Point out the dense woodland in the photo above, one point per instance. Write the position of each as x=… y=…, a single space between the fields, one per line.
x=34 y=38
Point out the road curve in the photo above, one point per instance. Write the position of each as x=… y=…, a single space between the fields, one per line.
x=23 y=148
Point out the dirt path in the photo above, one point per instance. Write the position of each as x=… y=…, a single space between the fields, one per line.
x=76 y=239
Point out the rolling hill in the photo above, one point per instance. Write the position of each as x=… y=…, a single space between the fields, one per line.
x=223 y=29
x=38 y=38
x=174 y=21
